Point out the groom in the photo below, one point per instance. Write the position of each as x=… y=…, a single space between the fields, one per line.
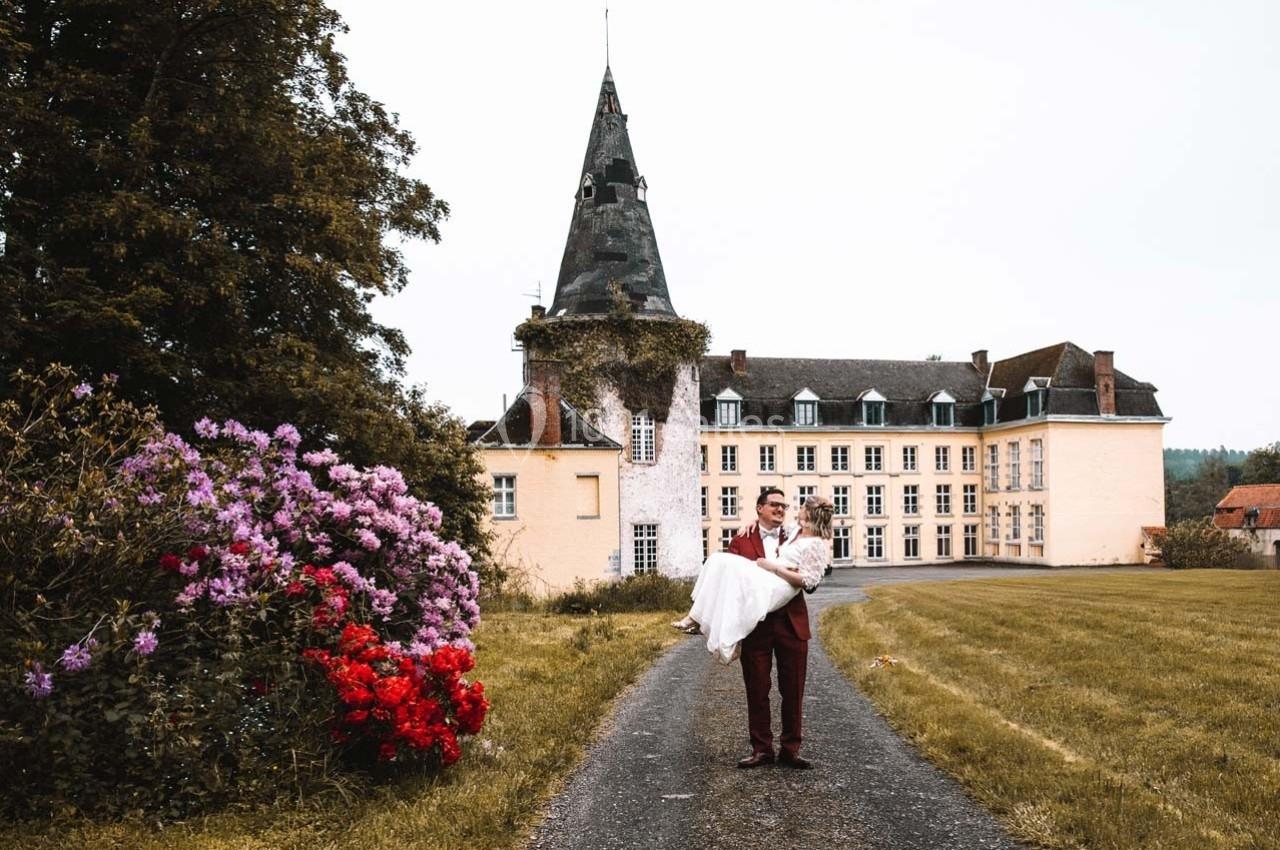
x=783 y=634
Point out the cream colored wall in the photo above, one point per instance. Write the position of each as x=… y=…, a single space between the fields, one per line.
x=749 y=480
x=1020 y=549
x=547 y=538
x=1107 y=481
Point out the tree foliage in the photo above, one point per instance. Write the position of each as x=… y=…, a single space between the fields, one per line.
x=1198 y=544
x=195 y=197
x=1262 y=466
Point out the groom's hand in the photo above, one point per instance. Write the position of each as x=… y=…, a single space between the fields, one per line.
x=746 y=530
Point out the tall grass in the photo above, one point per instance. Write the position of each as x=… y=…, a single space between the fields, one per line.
x=1107 y=711
x=550 y=680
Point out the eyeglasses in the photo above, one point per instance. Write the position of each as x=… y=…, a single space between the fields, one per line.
x=782 y=505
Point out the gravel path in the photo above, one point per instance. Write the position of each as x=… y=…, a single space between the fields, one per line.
x=661 y=775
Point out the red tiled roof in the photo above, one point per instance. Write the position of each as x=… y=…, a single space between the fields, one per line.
x=1230 y=512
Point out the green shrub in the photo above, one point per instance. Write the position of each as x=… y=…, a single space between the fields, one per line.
x=648 y=592
x=1198 y=543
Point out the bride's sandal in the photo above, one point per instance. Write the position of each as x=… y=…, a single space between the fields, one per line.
x=684 y=624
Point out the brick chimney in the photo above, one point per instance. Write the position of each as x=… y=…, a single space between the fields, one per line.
x=538 y=311
x=738 y=361
x=1104 y=381
x=544 y=402
x=980 y=362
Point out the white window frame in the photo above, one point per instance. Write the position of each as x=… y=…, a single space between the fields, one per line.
x=729 y=502
x=968 y=458
x=804 y=408
x=1037 y=464
x=1015 y=465
x=911 y=542
x=942 y=499
x=841 y=538
x=504 y=496
x=806 y=458
x=804 y=491
x=993 y=467
x=942 y=535
x=706 y=503
x=1036 y=518
x=769 y=458
x=971 y=549
x=873 y=458
x=875 y=543
x=969 y=495
x=726 y=537
x=942 y=410
x=702 y=458
x=728 y=409
x=729 y=458
x=644 y=548
x=993 y=523
x=839 y=458
x=840 y=500
x=875 y=500
x=1015 y=522
x=911 y=500
x=911 y=462
x=643 y=438
x=942 y=458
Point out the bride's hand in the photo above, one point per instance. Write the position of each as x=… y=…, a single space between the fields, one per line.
x=746 y=530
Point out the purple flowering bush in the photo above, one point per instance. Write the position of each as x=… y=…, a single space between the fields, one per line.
x=162 y=593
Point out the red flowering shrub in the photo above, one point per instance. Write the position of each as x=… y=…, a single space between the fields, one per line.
x=388 y=699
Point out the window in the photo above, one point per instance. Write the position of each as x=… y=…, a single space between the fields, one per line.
x=728 y=411
x=706 y=537
x=504 y=495
x=875 y=500
x=993 y=467
x=726 y=537
x=840 y=543
x=1037 y=524
x=873 y=458
x=729 y=502
x=702 y=458
x=706 y=509
x=803 y=492
x=911 y=499
x=588 y=494
x=1037 y=464
x=968 y=459
x=839 y=458
x=942 y=458
x=588 y=188
x=970 y=495
x=1015 y=522
x=989 y=411
x=1015 y=466
x=993 y=522
x=944 y=414
x=1035 y=403
x=840 y=500
x=728 y=458
x=642 y=438
x=911 y=541
x=875 y=542
x=873 y=413
x=942 y=499
x=943 y=539
x=909 y=459
x=971 y=541
x=805 y=459
x=644 y=539
x=768 y=459
x=642 y=189
x=806 y=413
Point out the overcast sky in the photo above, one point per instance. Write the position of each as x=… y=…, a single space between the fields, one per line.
x=900 y=178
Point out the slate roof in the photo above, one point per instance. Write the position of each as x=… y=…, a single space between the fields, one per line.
x=770 y=383
x=1264 y=498
x=611 y=238
x=515 y=428
x=1071 y=385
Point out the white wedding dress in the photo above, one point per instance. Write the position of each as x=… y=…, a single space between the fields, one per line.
x=733 y=593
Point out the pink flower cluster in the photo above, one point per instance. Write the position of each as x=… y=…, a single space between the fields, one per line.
x=264 y=513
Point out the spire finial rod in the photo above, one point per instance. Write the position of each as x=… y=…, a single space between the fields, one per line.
x=606 y=34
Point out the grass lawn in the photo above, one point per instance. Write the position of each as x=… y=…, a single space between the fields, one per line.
x=1105 y=711
x=550 y=680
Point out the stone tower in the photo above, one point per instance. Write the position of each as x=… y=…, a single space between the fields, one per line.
x=611 y=316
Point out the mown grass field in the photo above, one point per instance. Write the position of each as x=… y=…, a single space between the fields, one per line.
x=1105 y=711
x=550 y=680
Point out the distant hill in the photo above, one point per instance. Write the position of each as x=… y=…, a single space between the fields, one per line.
x=1183 y=464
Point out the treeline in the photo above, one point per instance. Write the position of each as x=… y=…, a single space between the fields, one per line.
x=1195 y=480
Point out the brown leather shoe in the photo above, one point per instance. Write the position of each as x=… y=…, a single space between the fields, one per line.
x=794 y=761
x=756 y=760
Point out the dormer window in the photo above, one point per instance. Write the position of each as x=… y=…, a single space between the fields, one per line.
x=990 y=409
x=806 y=408
x=1035 y=392
x=728 y=409
x=872 y=408
x=642 y=188
x=588 y=188
x=944 y=409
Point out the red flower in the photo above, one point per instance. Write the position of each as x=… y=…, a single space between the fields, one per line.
x=197 y=553
x=295 y=588
x=392 y=690
x=239 y=548
x=356 y=717
x=387 y=751
x=170 y=562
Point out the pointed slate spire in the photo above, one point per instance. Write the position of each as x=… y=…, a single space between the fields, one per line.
x=611 y=241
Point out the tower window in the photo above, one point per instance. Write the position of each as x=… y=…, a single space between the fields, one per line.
x=642 y=188
x=588 y=188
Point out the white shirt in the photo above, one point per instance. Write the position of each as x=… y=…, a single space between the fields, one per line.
x=771 y=541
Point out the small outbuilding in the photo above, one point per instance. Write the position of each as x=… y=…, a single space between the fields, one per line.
x=1251 y=512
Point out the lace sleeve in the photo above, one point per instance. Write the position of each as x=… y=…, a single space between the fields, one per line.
x=811 y=560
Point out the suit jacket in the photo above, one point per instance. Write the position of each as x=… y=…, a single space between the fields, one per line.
x=795 y=611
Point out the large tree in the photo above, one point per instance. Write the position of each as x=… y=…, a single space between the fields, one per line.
x=193 y=195
x=1262 y=466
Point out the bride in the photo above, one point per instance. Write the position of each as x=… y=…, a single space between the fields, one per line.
x=734 y=593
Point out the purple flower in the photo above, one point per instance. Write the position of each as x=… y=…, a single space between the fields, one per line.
x=82 y=390
x=75 y=658
x=39 y=683
x=321 y=458
x=368 y=539
x=145 y=642
x=384 y=602
x=288 y=435
x=207 y=428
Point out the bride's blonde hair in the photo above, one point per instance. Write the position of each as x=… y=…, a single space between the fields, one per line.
x=820 y=511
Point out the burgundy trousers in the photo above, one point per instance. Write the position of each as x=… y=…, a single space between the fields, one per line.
x=774 y=637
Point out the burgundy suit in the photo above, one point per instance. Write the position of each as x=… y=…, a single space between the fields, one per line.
x=783 y=634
